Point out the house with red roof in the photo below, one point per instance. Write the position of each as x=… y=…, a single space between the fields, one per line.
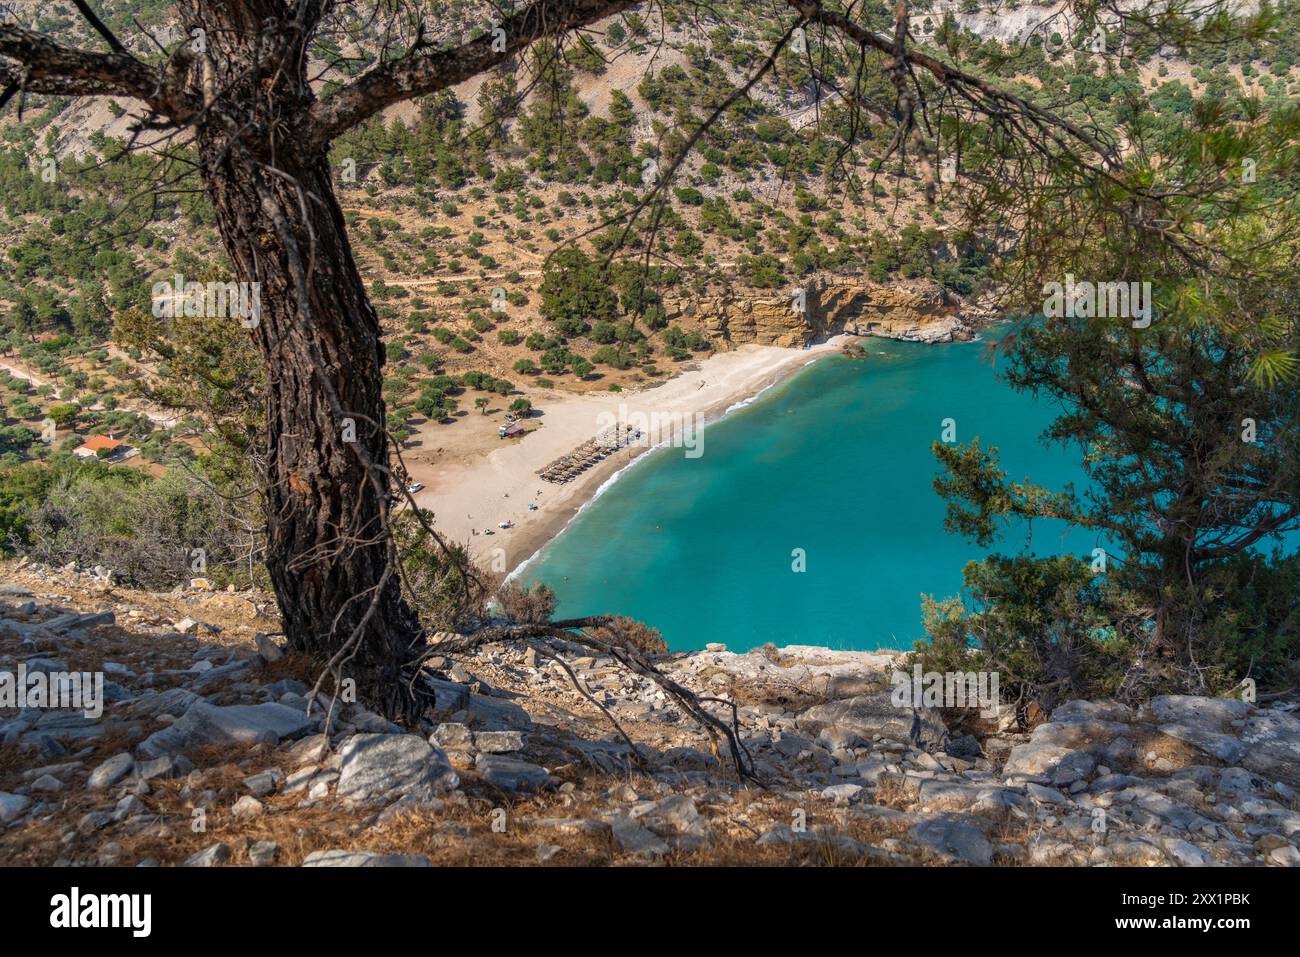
x=90 y=449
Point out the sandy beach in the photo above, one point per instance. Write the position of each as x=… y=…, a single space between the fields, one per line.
x=474 y=480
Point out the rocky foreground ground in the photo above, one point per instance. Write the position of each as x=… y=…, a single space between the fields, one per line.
x=206 y=754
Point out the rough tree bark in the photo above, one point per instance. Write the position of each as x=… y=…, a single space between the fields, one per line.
x=326 y=493
x=326 y=484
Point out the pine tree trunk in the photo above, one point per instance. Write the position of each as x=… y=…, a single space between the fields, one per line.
x=329 y=556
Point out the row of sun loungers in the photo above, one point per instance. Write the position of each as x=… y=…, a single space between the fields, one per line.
x=589 y=453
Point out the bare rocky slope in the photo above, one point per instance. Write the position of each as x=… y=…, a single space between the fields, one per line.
x=207 y=754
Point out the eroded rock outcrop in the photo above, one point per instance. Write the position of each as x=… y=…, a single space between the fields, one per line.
x=916 y=310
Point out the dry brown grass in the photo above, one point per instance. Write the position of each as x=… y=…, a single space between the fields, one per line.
x=894 y=791
x=1149 y=741
x=781 y=694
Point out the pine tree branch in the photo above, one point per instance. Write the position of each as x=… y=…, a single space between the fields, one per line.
x=36 y=64
x=416 y=75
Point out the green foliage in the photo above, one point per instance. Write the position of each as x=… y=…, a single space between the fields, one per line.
x=143 y=528
x=1186 y=498
x=575 y=290
x=438 y=581
x=1049 y=627
x=63 y=414
x=22 y=490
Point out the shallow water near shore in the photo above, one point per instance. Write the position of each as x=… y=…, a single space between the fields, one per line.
x=836 y=461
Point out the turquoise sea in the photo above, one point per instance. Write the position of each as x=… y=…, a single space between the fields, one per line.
x=835 y=461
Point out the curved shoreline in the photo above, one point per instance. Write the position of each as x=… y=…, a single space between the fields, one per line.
x=473 y=482
x=710 y=417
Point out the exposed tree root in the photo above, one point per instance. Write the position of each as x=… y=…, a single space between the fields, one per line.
x=547 y=638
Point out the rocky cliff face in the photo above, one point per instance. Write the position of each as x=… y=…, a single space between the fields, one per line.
x=916 y=310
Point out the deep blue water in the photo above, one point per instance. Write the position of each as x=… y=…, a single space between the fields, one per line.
x=836 y=461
